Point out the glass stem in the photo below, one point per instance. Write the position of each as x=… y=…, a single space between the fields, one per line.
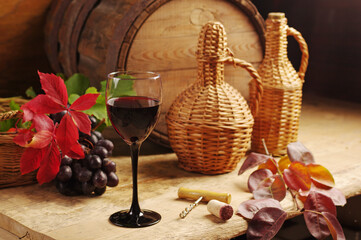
x=134 y=152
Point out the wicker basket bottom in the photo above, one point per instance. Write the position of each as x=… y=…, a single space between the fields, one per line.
x=10 y=155
x=209 y=151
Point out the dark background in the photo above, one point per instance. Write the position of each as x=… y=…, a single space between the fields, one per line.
x=332 y=30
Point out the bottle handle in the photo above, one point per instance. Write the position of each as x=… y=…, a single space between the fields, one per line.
x=304 y=49
x=254 y=105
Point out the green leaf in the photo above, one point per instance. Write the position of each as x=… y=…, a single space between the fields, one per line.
x=72 y=98
x=30 y=92
x=62 y=75
x=91 y=90
x=124 y=88
x=99 y=109
x=14 y=106
x=103 y=87
x=77 y=84
x=6 y=125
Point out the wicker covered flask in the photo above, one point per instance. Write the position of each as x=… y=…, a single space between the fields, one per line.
x=210 y=124
x=278 y=119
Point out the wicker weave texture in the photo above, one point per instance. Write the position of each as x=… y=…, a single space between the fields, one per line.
x=210 y=123
x=278 y=119
x=10 y=155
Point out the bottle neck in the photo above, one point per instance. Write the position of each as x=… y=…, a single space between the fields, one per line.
x=210 y=73
x=276 y=39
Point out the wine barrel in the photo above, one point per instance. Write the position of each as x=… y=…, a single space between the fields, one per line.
x=95 y=37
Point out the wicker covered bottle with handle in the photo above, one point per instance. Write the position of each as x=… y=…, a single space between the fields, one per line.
x=210 y=124
x=278 y=119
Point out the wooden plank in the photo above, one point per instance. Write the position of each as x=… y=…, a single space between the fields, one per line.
x=330 y=129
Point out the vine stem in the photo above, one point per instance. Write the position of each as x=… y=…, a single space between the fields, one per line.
x=280 y=173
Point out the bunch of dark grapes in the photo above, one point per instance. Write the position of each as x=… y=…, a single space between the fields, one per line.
x=91 y=175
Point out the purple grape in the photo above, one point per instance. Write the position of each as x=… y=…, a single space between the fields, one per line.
x=98 y=135
x=107 y=144
x=102 y=152
x=76 y=167
x=57 y=116
x=66 y=188
x=84 y=175
x=87 y=188
x=66 y=160
x=93 y=121
x=108 y=166
x=113 y=179
x=64 y=173
x=100 y=191
x=95 y=162
x=100 y=179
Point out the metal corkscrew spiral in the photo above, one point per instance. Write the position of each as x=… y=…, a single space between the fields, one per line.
x=187 y=210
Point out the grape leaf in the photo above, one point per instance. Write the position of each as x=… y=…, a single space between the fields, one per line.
x=31 y=158
x=249 y=208
x=13 y=105
x=320 y=203
x=66 y=134
x=257 y=177
x=77 y=84
x=54 y=88
x=49 y=165
x=266 y=223
x=82 y=121
x=42 y=104
x=269 y=164
x=321 y=176
x=252 y=160
x=73 y=97
x=296 y=151
x=84 y=102
x=297 y=177
x=337 y=197
x=334 y=226
x=30 y=93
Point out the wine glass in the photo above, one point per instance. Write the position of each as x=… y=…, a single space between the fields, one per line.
x=133 y=104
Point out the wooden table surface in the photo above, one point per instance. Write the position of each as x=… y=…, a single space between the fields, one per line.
x=330 y=129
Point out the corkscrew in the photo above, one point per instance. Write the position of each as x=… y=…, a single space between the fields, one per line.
x=187 y=210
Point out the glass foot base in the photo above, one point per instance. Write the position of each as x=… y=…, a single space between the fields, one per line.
x=124 y=219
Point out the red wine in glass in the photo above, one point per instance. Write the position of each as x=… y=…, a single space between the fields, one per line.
x=133 y=104
x=133 y=117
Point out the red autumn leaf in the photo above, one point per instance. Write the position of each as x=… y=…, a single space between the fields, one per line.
x=272 y=187
x=249 y=208
x=23 y=137
x=320 y=203
x=266 y=223
x=30 y=160
x=41 y=104
x=41 y=139
x=314 y=205
x=84 y=102
x=269 y=164
x=252 y=160
x=257 y=177
x=316 y=224
x=49 y=165
x=284 y=163
x=43 y=122
x=334 y=226
x=76 y=151
x=82 y=121
x=66 y=134
x=54 y=87
x=321 y=176
x=337 y=197
x=297 y=177
x=297 y=152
